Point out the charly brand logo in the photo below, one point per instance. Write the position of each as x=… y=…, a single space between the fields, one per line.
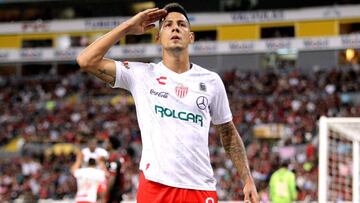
x=161 y=80
x=181 y=115
x=181 y=91
x=159 y=94
x=202 y=102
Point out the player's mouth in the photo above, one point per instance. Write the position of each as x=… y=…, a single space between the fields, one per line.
x=175 y=38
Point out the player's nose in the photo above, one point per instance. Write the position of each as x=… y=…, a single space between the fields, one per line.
x=175 y=28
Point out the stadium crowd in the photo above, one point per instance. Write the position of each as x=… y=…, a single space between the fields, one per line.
x=49 y=109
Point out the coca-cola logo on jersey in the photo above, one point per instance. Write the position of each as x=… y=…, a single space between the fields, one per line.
x=159 y=94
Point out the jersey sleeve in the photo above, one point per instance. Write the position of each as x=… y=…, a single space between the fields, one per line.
x=124 y=77
x=219 y=107
x=103 y=153
x=102 y=177
x=76 y=173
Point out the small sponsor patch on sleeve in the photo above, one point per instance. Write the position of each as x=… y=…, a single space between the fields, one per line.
x=126 y=64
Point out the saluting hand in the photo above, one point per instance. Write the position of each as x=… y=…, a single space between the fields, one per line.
x=144 y=20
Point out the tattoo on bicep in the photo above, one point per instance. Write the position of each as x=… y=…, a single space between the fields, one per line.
x=104 y=72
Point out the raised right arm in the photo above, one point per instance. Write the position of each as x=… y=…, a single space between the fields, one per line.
x=92 y=60
x=77 y=164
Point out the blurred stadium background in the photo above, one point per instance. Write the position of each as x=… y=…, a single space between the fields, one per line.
x=284 y=64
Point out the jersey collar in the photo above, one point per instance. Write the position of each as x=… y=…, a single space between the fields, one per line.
x=169 y=71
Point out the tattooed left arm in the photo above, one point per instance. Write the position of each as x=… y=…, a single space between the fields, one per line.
x=235 y=149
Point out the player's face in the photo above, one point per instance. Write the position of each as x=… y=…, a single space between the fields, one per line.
x=92 y=145
x=175 y=32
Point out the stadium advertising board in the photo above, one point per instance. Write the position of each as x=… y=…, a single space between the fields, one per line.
x=196 y=49
x=241 y=47
x=133 y=51
x=258 y=16
x=4 y=55
x=271 y=130
x=316 y=44
x=103 y=23
x=37 y=26
x=276 y=44
x=204 y=48
x=31 y=54
x=350 y=41
x=66 y=54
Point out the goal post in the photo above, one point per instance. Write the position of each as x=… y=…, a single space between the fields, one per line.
x=339 y=156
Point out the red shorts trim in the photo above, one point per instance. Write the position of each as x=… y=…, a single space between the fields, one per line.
x=152 y=192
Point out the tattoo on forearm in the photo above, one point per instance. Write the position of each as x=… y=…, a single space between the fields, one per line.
x=235 y=148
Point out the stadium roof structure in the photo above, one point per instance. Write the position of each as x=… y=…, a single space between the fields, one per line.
x=55 y=9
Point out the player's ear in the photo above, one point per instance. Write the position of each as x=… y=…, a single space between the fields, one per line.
x=157 y=37
x=192 y=37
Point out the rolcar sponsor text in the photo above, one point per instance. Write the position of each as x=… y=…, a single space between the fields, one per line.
x=182 y=115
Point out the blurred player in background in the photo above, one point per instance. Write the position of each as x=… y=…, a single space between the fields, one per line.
x=115 y=183
x=175 y=100
x=93 y=151
x=283 y=185
x=90 y=182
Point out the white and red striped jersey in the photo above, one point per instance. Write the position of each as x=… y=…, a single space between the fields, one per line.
x=88 y=182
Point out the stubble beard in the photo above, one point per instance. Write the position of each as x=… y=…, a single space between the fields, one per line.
x=175 y=49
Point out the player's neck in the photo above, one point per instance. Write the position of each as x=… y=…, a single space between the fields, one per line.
x=178 y=63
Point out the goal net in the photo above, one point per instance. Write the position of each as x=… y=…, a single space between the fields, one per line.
x=339 y=160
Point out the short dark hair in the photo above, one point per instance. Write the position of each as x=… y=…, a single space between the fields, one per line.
x=91 y=162
x=284 y=163
x=114 y=142
x=174 y=7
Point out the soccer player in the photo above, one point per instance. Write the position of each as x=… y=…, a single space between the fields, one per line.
x=92 y=151
x=283 y=185
x=90 y=181
x=175 y=100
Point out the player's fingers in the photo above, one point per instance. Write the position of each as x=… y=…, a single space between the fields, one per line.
x=148 y=27
x=145 y=14
x=154 y=18
x=254 y=198
x=158 y=12
x=247 y=197
x=150 y=10
x=156 y=15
